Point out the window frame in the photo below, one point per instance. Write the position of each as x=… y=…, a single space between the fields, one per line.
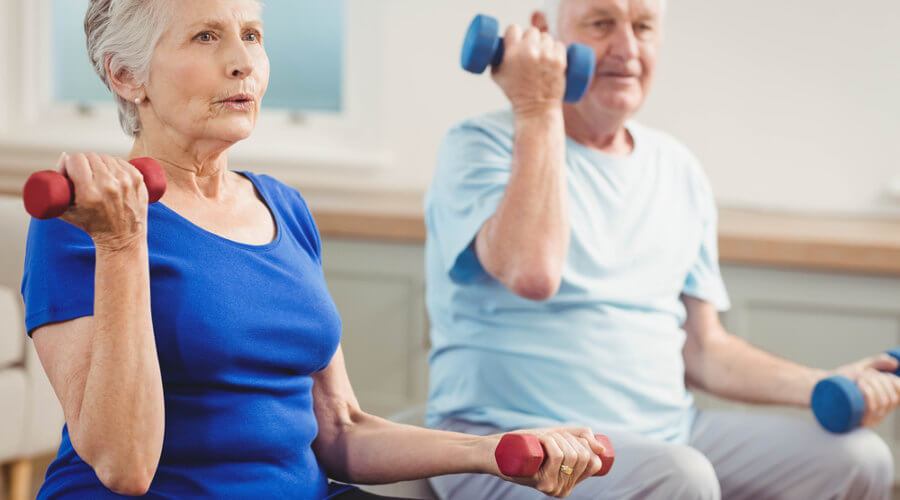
x=33 y=129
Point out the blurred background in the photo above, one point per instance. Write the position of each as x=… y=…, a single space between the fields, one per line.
x=792 y=107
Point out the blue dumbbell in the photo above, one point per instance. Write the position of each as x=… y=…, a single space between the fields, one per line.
x=483 y=47
x=838 y=403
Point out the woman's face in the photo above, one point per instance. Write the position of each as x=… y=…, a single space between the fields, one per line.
x=211 y=51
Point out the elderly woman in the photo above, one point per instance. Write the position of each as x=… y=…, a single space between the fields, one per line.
x=193 y=344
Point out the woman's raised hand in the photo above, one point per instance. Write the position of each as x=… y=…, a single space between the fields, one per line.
x=111 y=199
x=572 y=455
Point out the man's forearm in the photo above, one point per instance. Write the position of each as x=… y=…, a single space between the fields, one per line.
x=731 y=368
x=535 y=203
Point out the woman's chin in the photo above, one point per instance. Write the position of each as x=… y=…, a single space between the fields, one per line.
x=234 y=133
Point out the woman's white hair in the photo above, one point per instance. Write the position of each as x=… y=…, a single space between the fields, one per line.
x=125 y=32
x=551 y=10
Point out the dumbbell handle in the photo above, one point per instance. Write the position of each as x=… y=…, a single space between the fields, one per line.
x=521 y=455
x=837 y=402
x=48 y=194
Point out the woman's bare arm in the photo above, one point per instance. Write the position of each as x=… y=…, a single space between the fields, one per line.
x=105 y=372
x=356 y=447
x=104 y=368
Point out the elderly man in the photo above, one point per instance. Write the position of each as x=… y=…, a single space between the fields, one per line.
x=573 y=278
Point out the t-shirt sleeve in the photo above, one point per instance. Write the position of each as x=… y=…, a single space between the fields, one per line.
x=58 y=279
x=301 y=222
x=704 y=280
x=310 y=228
x=470 y=180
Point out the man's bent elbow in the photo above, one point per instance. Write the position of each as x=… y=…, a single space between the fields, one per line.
x=535 y=285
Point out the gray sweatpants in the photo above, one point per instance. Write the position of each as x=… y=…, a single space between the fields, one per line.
x=730 y=455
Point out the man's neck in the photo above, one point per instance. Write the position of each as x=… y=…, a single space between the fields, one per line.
x=606 y=134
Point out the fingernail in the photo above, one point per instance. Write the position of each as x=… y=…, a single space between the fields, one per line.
x=61 y=159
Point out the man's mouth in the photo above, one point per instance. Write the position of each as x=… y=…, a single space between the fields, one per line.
x=613 y=74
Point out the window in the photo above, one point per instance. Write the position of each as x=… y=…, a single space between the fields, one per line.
x=320 y=112
x=304 y=42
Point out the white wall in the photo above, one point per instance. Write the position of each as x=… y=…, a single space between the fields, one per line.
x=790 y=105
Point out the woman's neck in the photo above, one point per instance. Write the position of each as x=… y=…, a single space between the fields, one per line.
x=195 y=172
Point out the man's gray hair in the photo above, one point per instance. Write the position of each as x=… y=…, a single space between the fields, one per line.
x=125 y=32
x=551 y=10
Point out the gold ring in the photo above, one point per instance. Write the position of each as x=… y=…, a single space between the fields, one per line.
x=565 y=469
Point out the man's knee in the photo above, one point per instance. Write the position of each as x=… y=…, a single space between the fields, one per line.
x=682 y=472
x=866 y=459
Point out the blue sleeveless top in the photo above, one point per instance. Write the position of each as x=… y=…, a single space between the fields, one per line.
x=239 y=330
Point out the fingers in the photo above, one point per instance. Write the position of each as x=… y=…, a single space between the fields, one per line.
x=883 y=362
x=61 y=163
x=513 y=35
x=595 y=448
x=885 y=387
x=79 y=170
x=582 y=454
x=532 y=36
x=574 y=459
x=548 y=475
x=876 y=398
x=588 y=435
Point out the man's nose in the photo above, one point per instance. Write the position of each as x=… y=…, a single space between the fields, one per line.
x=624 y=44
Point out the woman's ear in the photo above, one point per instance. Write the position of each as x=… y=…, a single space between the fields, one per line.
x=539 y=21
x=123 y=83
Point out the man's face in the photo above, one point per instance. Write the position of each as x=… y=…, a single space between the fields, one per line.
x=625 y=34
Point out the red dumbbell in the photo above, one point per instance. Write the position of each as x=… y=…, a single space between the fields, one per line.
x=521 y=455
x=48 y=194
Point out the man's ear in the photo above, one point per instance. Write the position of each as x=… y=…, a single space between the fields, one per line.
x=123 y=83
x=539 y=21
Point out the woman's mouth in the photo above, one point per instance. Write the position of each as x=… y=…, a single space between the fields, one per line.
x=238 y=105
x=241 y=102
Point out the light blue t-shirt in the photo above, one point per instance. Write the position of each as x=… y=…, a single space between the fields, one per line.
x=605 y=351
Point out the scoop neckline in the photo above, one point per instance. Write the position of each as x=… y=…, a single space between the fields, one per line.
x=246 y=246
x=636 y=150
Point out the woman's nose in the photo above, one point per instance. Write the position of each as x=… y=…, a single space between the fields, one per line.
x=240 y=63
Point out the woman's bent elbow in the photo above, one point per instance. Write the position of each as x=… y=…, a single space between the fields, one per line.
x=135 y=482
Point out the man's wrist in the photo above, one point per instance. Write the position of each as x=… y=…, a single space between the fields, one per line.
x=538 y=113
x=814 y=376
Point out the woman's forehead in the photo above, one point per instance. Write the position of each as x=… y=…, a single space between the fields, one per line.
x=215 y=13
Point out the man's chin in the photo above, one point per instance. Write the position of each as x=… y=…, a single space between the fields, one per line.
x=618 y=102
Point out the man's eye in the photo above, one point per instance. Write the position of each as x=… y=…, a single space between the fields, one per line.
x=254 y=36
x=206 y=36
x=644 y=27
x=603 y=24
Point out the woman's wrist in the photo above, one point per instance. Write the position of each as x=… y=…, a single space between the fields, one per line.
x=125 y=244
x=482 y=456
